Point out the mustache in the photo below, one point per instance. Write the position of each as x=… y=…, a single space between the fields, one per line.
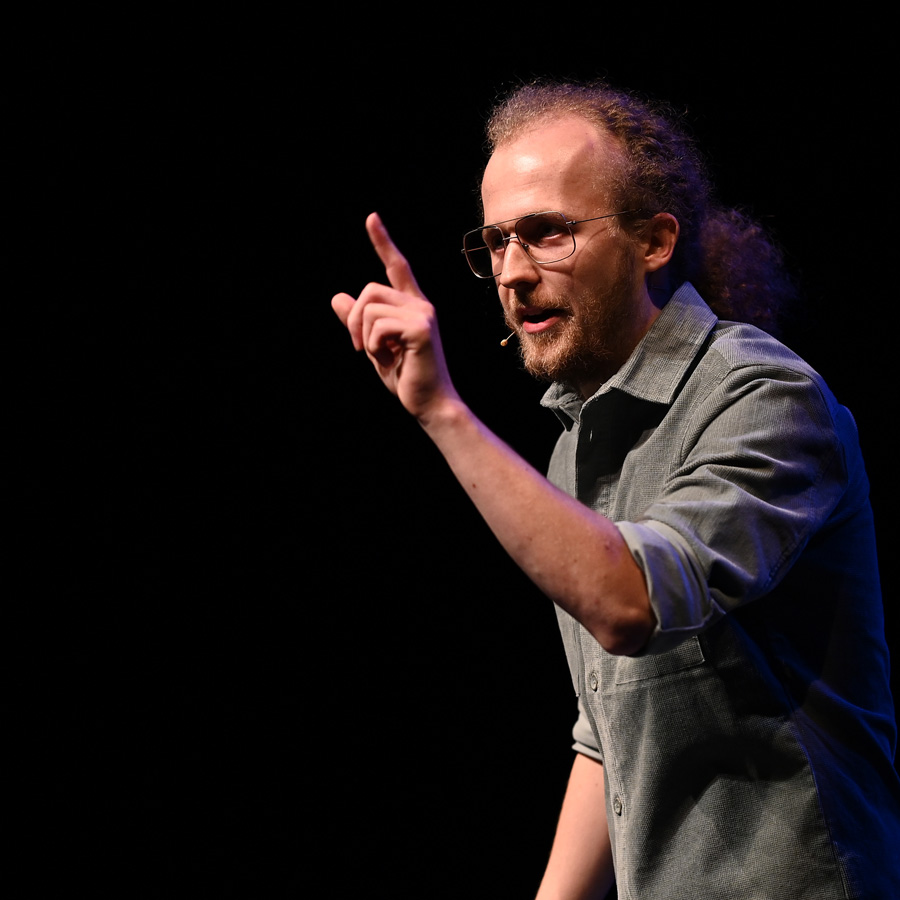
x=539 y=301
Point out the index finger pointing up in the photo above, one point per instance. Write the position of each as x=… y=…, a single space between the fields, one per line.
x=397 y=268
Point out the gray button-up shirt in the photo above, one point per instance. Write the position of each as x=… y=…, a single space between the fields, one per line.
x=748 y=750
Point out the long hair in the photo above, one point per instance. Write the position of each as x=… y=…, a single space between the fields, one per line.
x=729 y=258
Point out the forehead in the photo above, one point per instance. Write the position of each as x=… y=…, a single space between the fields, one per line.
x=561 y=165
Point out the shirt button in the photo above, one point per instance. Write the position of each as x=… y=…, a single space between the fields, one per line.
x=617 y=805
x=595 y=683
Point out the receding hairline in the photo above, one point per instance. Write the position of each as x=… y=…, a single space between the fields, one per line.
x=610 y=148
x=532 y=105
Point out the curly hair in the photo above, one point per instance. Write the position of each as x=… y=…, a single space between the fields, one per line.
x=728 y=257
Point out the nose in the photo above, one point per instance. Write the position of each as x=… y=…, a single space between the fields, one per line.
x=518 y=267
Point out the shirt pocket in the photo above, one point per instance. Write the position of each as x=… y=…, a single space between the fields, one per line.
x=639 y=668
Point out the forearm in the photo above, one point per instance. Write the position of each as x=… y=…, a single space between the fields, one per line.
x=574 y=555
x=580 y=865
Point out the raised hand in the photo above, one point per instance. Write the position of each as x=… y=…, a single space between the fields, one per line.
x=575 y=556
x=397 y=327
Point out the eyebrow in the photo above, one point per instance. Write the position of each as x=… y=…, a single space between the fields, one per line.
x=536 y=212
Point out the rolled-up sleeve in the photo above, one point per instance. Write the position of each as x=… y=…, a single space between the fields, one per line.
x=583 y=735
x=759 y=469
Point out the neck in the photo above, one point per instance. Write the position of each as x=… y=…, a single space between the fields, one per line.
x=588 y=384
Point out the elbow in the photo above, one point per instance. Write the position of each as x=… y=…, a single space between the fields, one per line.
x=613 y=604
x=624 y=615
x=627 y=633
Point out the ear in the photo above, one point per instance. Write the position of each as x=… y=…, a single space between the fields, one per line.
x=658 y=240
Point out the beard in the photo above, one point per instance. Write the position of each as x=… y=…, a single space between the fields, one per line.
x=594 y=337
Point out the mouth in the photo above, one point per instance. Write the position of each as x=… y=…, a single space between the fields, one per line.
x=535 y=319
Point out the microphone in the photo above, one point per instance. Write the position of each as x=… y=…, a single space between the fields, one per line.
x=505 y=340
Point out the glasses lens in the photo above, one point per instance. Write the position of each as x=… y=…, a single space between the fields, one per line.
x=547 y=235
x=484 y=248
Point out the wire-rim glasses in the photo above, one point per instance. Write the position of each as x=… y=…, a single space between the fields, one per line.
x=547 y=237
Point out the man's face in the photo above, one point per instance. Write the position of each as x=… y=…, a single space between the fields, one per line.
x=578 y=319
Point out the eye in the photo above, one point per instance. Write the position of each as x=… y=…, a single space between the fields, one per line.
x=540 y=231
x=493 y=239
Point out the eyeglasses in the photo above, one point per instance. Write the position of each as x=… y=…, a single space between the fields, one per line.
x=545 y=236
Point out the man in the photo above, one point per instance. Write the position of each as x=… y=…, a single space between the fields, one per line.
x=705 y=532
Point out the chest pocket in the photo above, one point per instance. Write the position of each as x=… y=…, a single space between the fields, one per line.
x=638 y=668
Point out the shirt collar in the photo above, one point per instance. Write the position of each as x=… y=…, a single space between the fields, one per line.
x=657 y=365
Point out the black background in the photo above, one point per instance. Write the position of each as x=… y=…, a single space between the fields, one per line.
x=269 y=650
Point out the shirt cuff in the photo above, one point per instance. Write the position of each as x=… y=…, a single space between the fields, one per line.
x=585 y=742
x=678 y=593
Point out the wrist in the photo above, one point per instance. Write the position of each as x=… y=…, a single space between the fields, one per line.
x=444 y=416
